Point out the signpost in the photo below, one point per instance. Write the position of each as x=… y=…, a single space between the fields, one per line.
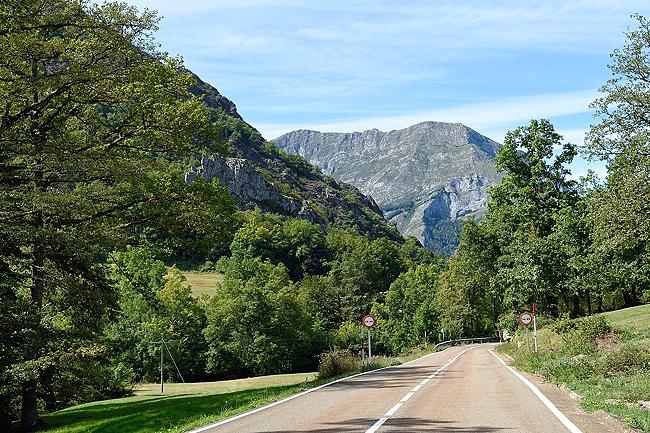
x=369 y=322
x=525 y=319
x=535 y=327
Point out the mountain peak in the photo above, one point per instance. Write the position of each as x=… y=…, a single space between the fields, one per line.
x=445 y=165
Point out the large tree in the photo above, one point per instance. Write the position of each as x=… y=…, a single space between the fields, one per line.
x=620 y=213
x=92 y=121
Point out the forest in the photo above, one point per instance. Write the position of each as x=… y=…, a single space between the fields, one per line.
x=97 y=128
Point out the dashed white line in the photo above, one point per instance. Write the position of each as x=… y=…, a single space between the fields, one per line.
x=410 y=394
x=554 y=410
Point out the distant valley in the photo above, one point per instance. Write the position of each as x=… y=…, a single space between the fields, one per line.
x=426 y=178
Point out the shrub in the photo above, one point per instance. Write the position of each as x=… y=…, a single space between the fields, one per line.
x=632 y=355
x=336 y=362
x=593 y=326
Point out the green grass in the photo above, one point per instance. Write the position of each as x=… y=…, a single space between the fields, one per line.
x=608 y=367
x=182 y=407
x=634 y=319
x=186 y=406
x=203 y=283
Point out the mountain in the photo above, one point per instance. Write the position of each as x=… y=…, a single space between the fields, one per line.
x=426 y=178
x=260 y=175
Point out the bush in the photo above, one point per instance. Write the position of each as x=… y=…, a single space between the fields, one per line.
x=336 y=362
x=633 y=355
x=593 y=326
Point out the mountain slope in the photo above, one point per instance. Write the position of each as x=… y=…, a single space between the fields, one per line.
x=258 y=174
x=426 y=178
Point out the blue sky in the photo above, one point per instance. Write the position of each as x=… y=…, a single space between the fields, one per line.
x=355 y=65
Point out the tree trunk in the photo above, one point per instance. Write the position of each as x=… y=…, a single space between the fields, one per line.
x=29 y=408
x=575 y=310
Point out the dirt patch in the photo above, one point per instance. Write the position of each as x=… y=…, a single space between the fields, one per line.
x=607 y=342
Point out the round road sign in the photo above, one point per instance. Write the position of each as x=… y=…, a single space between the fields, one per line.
x=368 y=321
x=525 y=318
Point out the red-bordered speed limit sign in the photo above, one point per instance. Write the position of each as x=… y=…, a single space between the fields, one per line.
x=525 y=318
x=368 y=321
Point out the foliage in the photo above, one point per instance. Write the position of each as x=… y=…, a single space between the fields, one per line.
x=337 y=362
x=620 y=213
x=257 y=324
x=410 y=310
x=155 y=302
x=93 y=120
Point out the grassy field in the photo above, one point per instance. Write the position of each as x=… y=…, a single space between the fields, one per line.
x=203 y=283
x=634 y=319
x=605 y=359
x=180 y=408
x=186 y=406
x=225 y=386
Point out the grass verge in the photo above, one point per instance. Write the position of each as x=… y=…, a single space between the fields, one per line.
x=604 y=358
x=187 y=406
x=181 y=408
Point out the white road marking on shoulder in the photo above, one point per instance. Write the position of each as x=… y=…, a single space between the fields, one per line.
x=554 y=410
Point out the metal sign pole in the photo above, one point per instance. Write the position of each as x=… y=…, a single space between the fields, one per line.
x=369 y=348
x=535 y=332
x=162 y=359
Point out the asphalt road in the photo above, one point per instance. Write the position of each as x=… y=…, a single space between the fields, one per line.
x=462 y=389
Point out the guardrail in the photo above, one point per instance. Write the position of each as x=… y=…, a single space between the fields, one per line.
x=463 y=340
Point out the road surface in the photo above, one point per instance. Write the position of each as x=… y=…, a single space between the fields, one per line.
x=462 y=389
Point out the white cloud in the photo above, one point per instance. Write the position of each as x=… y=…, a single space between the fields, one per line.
x=492 y=118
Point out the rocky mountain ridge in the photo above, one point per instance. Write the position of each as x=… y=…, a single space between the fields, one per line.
x=426 y=178
x=259 y=175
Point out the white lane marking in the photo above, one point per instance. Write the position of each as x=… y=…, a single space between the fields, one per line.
x=268 y=406
x=393 y=409
x=558 y=414
x=425 y=381
x=410 y=394
x=376 y=425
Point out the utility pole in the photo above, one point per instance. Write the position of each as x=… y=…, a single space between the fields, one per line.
x=162 y=360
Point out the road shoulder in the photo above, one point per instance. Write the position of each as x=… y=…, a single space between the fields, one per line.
x=568 y=402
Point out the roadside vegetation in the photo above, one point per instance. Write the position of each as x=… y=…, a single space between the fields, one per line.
x=603 y=358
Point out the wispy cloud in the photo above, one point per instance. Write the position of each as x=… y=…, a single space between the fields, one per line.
x=488 y=117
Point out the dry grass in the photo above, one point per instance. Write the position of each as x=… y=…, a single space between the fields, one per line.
x=203 y=283
x=225 y=386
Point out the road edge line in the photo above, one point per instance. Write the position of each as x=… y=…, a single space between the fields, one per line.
x=539 y=394
x=291 y=397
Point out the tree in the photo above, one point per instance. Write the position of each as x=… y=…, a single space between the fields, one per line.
x=91 y=124
x=257 y=323
x=620 y=213
x=410 y=310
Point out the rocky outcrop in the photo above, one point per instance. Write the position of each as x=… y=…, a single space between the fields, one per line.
x=259 y=175
x=247 y=186
x=426 y=178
